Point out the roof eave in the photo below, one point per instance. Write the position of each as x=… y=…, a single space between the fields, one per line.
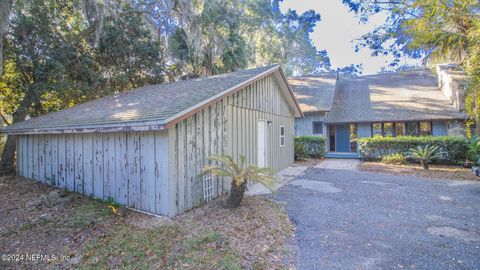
x=394 y=120
x=114 y=127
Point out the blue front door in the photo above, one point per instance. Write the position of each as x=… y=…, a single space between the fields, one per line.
x=342 y=138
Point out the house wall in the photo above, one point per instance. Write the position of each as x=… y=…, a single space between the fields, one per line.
x=304 y=126
x=228 y=126
x=130 y=167
x=158 y=171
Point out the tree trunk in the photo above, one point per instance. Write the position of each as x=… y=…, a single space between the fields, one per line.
x=424 y=164
x=4 y=12
x=236 y=194
x=7 y=163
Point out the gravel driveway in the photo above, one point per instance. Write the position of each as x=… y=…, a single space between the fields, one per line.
x=348 y=219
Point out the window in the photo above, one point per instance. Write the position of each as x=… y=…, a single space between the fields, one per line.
x=377 y=129
x=411 y=129
x=353 y=138
x=207 y=187
x=399 y=129
x=388 y=130
x=425 y=129
x=317 y=127
x=282 y=135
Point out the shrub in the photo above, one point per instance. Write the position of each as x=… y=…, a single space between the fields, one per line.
x=473 y=152
x=451 y=149
x=300 y=152
x=396 y=159
x=313 y=146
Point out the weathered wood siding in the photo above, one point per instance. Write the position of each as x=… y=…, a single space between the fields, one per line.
x=130 y=167
x=158 y=171
x=228 y=126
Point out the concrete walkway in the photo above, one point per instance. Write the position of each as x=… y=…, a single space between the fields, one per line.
x=283 y=177
x=350 y=219
x=339 y=164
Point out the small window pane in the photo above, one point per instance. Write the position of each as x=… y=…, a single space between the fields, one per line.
x=388 y=129
x=425 y=129
x=282 y=136
x=400 y=129
x=353 y=138
x=317 y=127
x=412 y=129
x=377 y=129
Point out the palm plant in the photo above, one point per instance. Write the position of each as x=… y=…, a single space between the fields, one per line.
x=473 y=152
x=424 y=154
x=240 y=174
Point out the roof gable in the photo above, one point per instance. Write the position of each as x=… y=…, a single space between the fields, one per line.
x=314 y=93
x=151 y=107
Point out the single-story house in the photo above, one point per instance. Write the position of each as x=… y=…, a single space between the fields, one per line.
x=344 y=108
x=145 y=148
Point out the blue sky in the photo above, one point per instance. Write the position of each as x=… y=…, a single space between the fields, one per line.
x=338 y=30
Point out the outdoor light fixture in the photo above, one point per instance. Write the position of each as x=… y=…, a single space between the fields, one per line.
x=269 y=123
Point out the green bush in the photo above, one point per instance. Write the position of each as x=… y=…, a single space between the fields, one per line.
x=451 y=149
x=300 y=152
x=396 y=158
x=311 y=146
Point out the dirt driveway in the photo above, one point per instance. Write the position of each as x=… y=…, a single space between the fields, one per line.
x=350 y=219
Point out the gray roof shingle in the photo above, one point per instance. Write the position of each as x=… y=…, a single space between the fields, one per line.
x=149 y=103
x=314 y=93
x=399 y=96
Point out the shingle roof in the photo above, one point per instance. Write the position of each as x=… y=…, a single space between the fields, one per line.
x=155 y=104
x=400 y=96
x=314 y=93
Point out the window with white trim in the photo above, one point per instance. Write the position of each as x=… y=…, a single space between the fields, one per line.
x=207 y=187
x=282 y=135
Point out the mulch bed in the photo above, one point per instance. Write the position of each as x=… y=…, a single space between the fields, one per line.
x=83 y=232
x=435 y=171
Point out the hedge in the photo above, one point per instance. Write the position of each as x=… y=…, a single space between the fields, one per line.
x=310 y=145
x=452 y=149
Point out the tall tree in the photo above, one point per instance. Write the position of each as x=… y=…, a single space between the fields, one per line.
x=51 y=62
x=37 y=57
x=435 y=30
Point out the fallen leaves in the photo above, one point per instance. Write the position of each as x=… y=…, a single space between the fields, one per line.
x=435 y=171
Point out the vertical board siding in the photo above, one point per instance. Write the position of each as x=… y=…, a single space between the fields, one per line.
x=87 y=152
x=98 y=165
x=70 y=162
x=41 y=158
x=228 y=126
x=158 y=171
x=121 y=173
x=61 y=165
x=78 y=162
x=123 y=166
x=133 y=169
x=147 y=172
x=109 y=169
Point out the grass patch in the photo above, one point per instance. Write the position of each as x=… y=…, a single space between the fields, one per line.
x=165 y=247
x=96 y=235
x=93 y=211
